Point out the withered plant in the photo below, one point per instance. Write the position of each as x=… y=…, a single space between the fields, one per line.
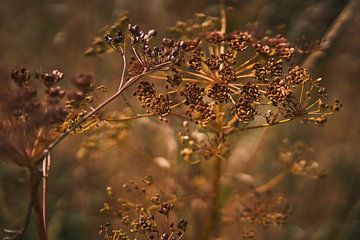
x=223 y=84
x=218 y=83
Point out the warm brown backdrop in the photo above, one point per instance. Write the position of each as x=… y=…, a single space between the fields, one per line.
x=54 y=34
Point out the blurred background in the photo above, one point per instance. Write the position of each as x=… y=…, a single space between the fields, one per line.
x=53 y=34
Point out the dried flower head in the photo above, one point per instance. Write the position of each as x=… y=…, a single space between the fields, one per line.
x=258 y=210
x=219 y=71
x=142 y=212
x=34 y=116
x=100 y=44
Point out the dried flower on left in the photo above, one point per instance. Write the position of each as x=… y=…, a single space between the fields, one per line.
x=34 y=115
x=35 y=111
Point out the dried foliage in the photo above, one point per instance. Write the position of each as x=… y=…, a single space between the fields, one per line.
x=218 y=84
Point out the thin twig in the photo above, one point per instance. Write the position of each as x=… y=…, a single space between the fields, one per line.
x=223 y=23
x=45 y=174
x=128 y=118
x=272 y=183
x=124 y=68
x=137 y=56
x=332 y=33
x=237 y=130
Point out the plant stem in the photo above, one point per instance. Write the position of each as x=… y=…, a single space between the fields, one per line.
x=36 y=205
x=213 y=227
x=334 y=30
x=215 y=206
x=223 y=23
x=214 y=215
x=223 y=16
x=271 y=183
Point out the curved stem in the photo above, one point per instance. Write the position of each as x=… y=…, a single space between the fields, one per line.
x=332 y=32
x=124 y=68
x=272 y=183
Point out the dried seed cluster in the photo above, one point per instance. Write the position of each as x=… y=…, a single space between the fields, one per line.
x=147 y=216
x=243 y=110
x=167 y=52
x=174 y=80
x=100 y=45
x=262 y=210
x=160 y=104
x=219 y=93
x=25 y=104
